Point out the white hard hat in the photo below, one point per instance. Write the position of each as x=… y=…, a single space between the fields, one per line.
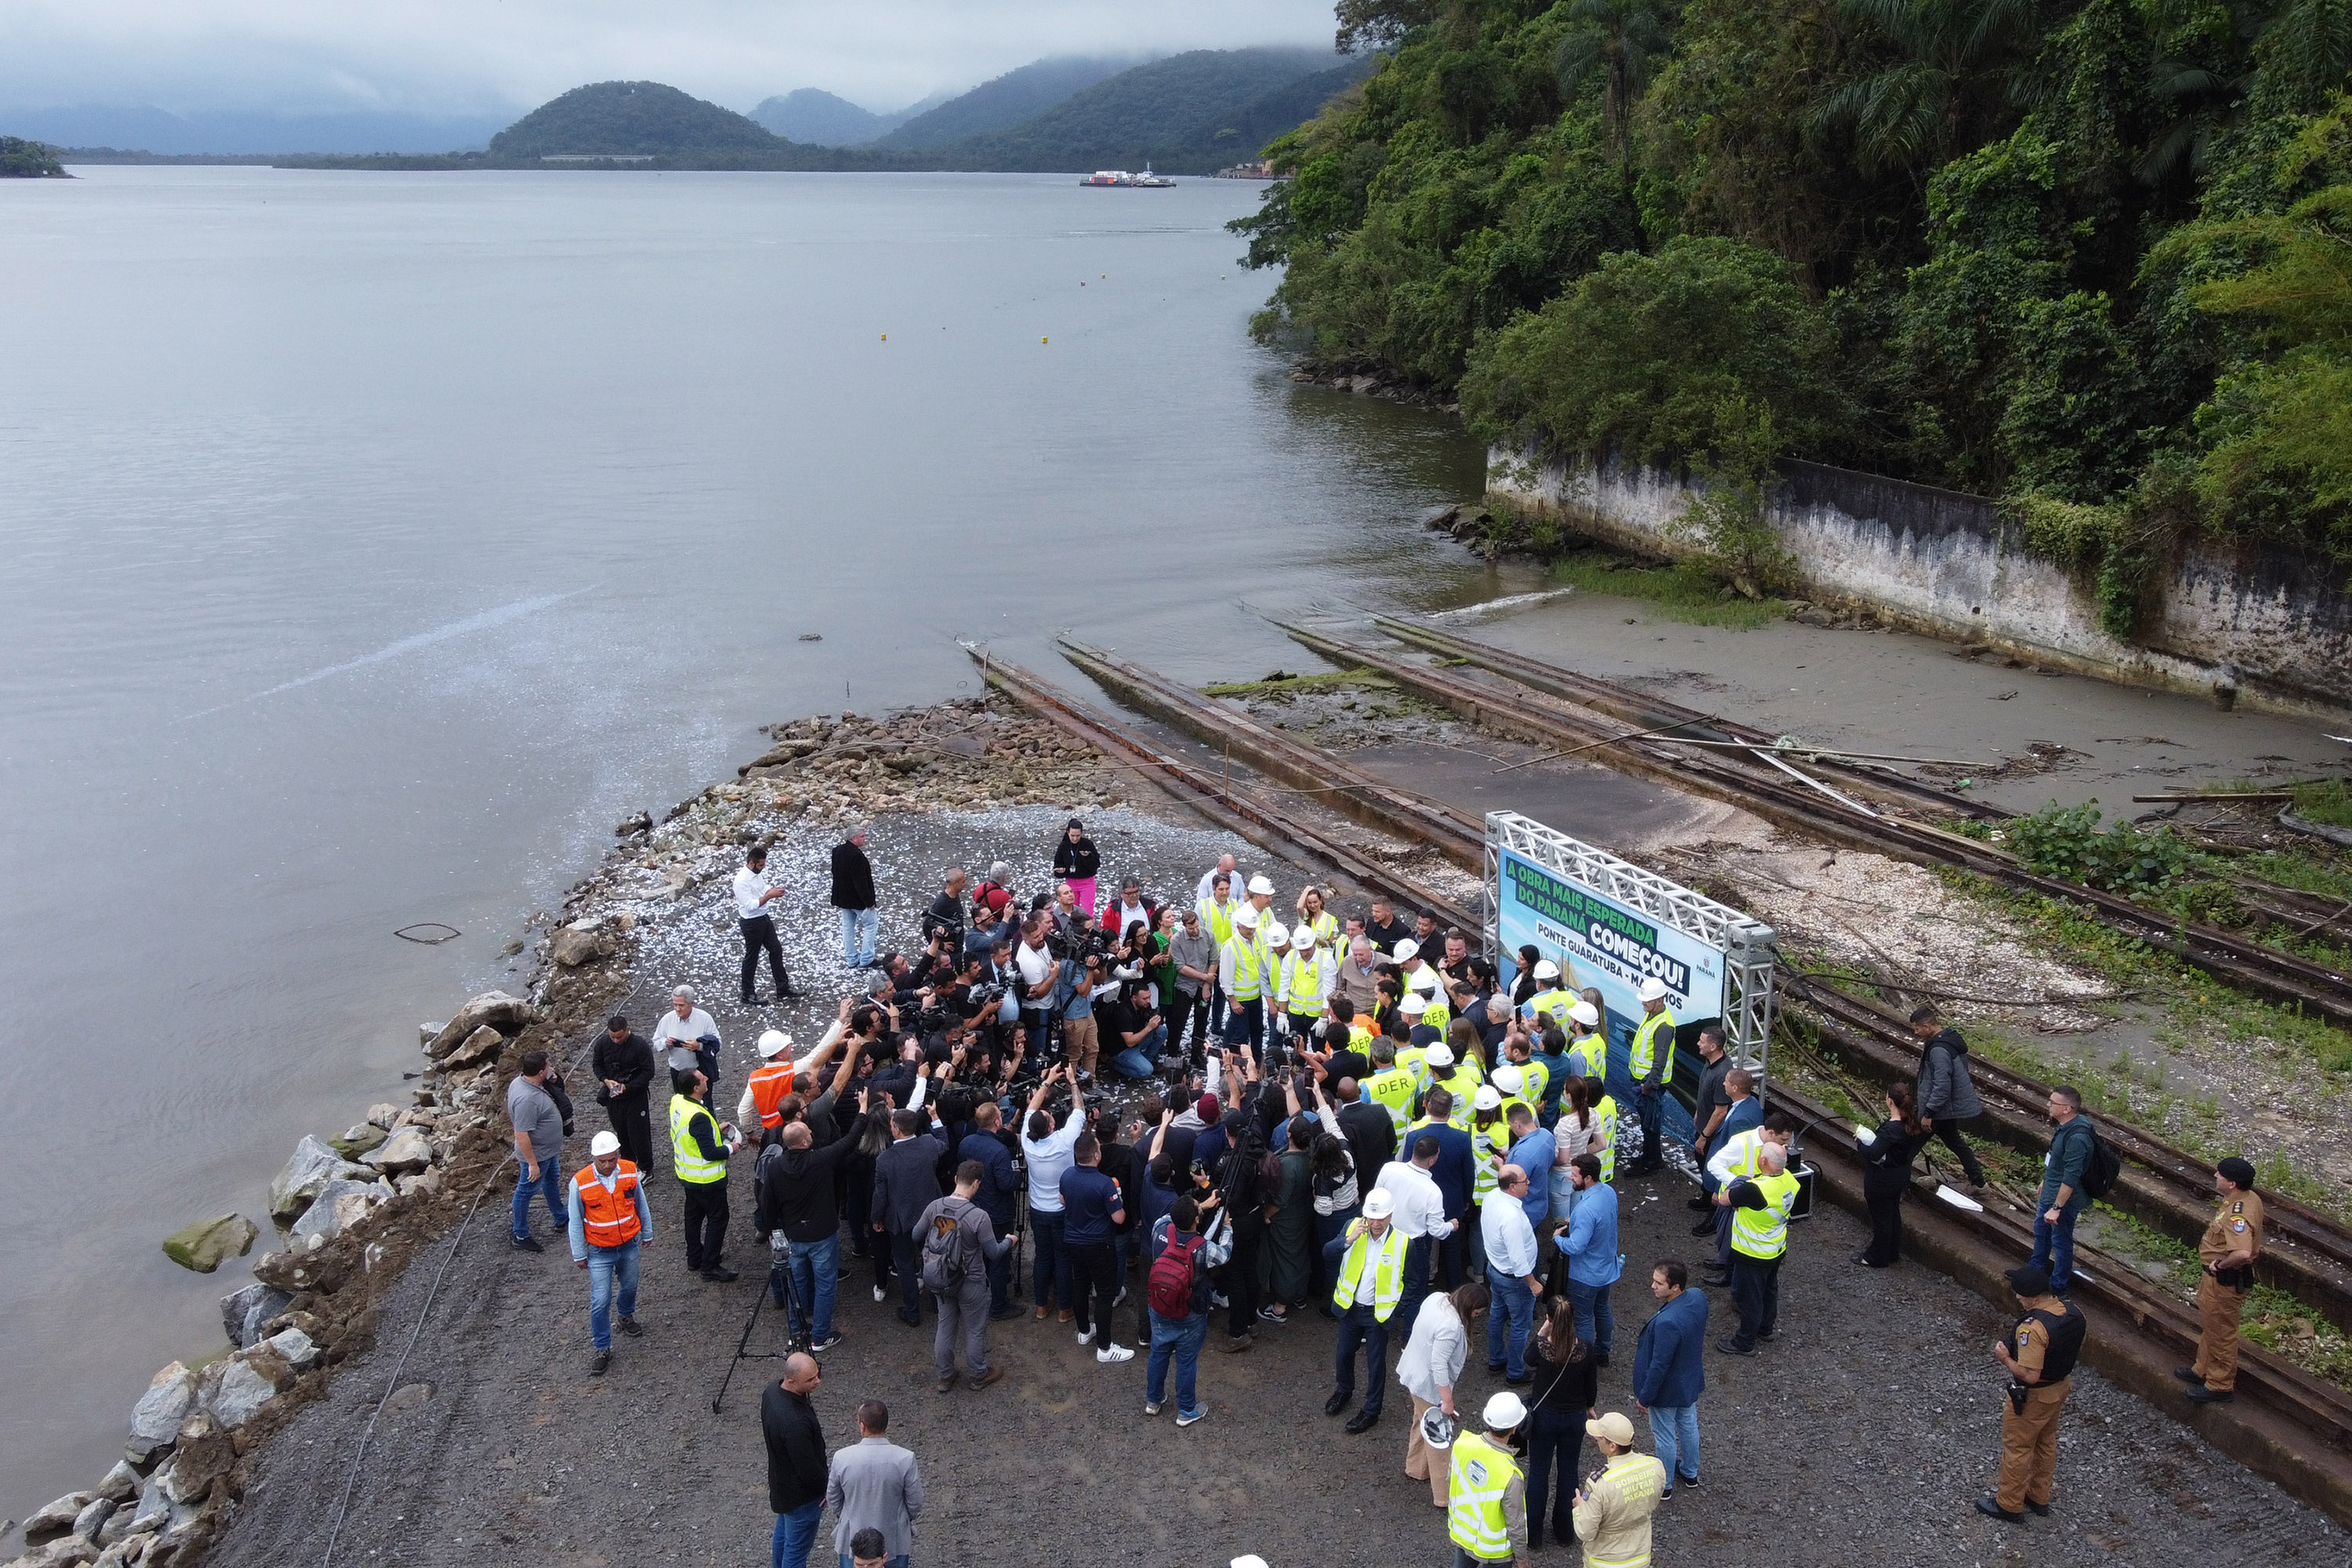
x=1436 y=1428
x=1547 y=970
x=1426 y=980
x=1406 y=949
x=773 y=1042
x=1275 y=935
x=1439 y=1056
x=1505 y=1411
x=604 y=1144
x=1653 y=989
x=1260 y=887
x=1413 y=1004
x=1246 y=918
x=1510 y=1080
x=1586 y=1014
x=1487 y=1098
x=1378 y=1205
x=1304 y=936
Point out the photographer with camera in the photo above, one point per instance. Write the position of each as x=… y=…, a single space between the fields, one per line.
x=796 y=1205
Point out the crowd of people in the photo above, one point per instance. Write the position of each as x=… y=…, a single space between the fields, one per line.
x=1198 y=1107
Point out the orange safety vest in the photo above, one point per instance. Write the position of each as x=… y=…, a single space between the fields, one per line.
x=609 y=1219
x=770 y=1081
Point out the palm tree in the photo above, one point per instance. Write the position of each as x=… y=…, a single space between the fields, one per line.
x=1616 y=41
x=1913 y=111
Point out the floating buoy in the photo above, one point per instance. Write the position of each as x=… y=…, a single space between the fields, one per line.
x=886 y=337
x=1041 y=339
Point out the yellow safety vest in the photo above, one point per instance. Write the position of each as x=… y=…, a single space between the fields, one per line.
x=1304 y=977
x=1633 y=1477
x=1219 y=919
x=1739 y=1154
x=1326 y=929
x=1478 y=1473
x=1536 y=1077
x=1441 y=1009
x=1493 y=1138
x=1248 y=969
x=1605 y=1115
x=1642 y=1055
x=1388 y=1272
x=1359 y=1038
x=1589 y=1057
x=1411 y=1059
x=1392 y=1089
x=684 y=1157
x=1461 y=1083
x=1763 y=1234
x=1555 y=1002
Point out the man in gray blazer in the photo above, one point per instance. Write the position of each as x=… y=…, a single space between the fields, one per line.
x=874 y=1484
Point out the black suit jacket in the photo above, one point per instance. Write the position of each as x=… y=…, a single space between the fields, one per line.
x=907 y=1182
x=1372 y=1137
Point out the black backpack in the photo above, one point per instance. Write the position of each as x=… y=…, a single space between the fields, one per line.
x=942 y=1263
x=2101 y=1171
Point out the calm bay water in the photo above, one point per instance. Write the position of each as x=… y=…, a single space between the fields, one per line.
x=373 y=543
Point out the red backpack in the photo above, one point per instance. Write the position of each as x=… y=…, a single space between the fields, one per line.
x=1170 y=1286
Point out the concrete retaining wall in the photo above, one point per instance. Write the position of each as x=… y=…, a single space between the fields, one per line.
x=2268 y=626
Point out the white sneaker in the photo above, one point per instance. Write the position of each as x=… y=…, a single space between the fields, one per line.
x=1120 y=1298
x=1150 y=1408
x=1184 y=1420
x=1114 y=1353
x=881 y=1294
x=1086 y=1337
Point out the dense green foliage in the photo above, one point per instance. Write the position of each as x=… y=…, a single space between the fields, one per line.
x=628 y=117
x=23 y=160
x=2094 y=257
x=2066 y=841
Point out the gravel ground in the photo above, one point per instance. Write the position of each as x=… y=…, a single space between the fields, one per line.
x=1860 y=1436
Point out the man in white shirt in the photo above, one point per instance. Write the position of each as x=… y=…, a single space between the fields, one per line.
x=1039 y=970
x=1420 y=1214
x=1510 y=1243
x=688 y=1037
x=1047 y=1153
x=1223 y=867
x=752 y=897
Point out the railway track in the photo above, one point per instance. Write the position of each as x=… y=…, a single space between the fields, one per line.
x=1789 y=797
x=2306 y=1254
x=2283 y=1398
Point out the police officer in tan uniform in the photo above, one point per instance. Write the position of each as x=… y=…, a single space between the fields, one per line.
x=2230 y=1245
x=2038 y=1356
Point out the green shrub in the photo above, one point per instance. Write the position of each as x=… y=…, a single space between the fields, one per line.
x=2066 y=841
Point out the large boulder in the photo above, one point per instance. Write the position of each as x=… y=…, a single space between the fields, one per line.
x=314 y=1163
x=122 y=1483
x=154 y=1511
x=496 y=1009
x=244 y=1312
x=63 y=1551
x=482 y=1045
x=407 y=1149
x=584 y=942
x=57 y=1517
x=338 y=1205
x=155 y=1419
x=244 y=1386
x=202 y=1244
x=92 y=1520
x=292 y=1346
x=355 y=1143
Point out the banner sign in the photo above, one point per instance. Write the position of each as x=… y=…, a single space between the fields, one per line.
x=1602 y=943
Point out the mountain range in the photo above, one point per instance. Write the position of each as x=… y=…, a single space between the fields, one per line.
x=1187 y=114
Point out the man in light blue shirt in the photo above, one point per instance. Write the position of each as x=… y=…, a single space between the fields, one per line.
x=1510 y=1274
x=1532 y=1150
x=1593 y=1260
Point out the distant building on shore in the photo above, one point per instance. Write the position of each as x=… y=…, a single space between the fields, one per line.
x=1261 y=170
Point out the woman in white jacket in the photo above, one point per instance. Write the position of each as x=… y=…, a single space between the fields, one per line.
x=1429 y=1367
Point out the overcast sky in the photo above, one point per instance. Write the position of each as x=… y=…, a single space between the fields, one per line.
x=461 y=56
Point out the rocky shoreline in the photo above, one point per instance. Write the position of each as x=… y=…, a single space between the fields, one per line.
x=355 y=1209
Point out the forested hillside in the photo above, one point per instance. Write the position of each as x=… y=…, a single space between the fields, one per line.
x=2093 y=256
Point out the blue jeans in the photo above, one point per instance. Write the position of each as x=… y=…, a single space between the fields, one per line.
x=608 y=1265
x=1050 y=1273
x=1180 y=1338
x=815 y=1268
x=551 y=1184
x=858 y=930
x=1674 y=1432
x=1649 y=1106
x=1595 y=1324
x=1000 y=1281
x=1508 y=1322
x=898 y=1562
x=796 y=1532
x=2053 y=1247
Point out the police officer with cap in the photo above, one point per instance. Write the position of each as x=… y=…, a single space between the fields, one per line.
x=2038 y=1356
x=1486 y=1491
x=2226 y=1251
